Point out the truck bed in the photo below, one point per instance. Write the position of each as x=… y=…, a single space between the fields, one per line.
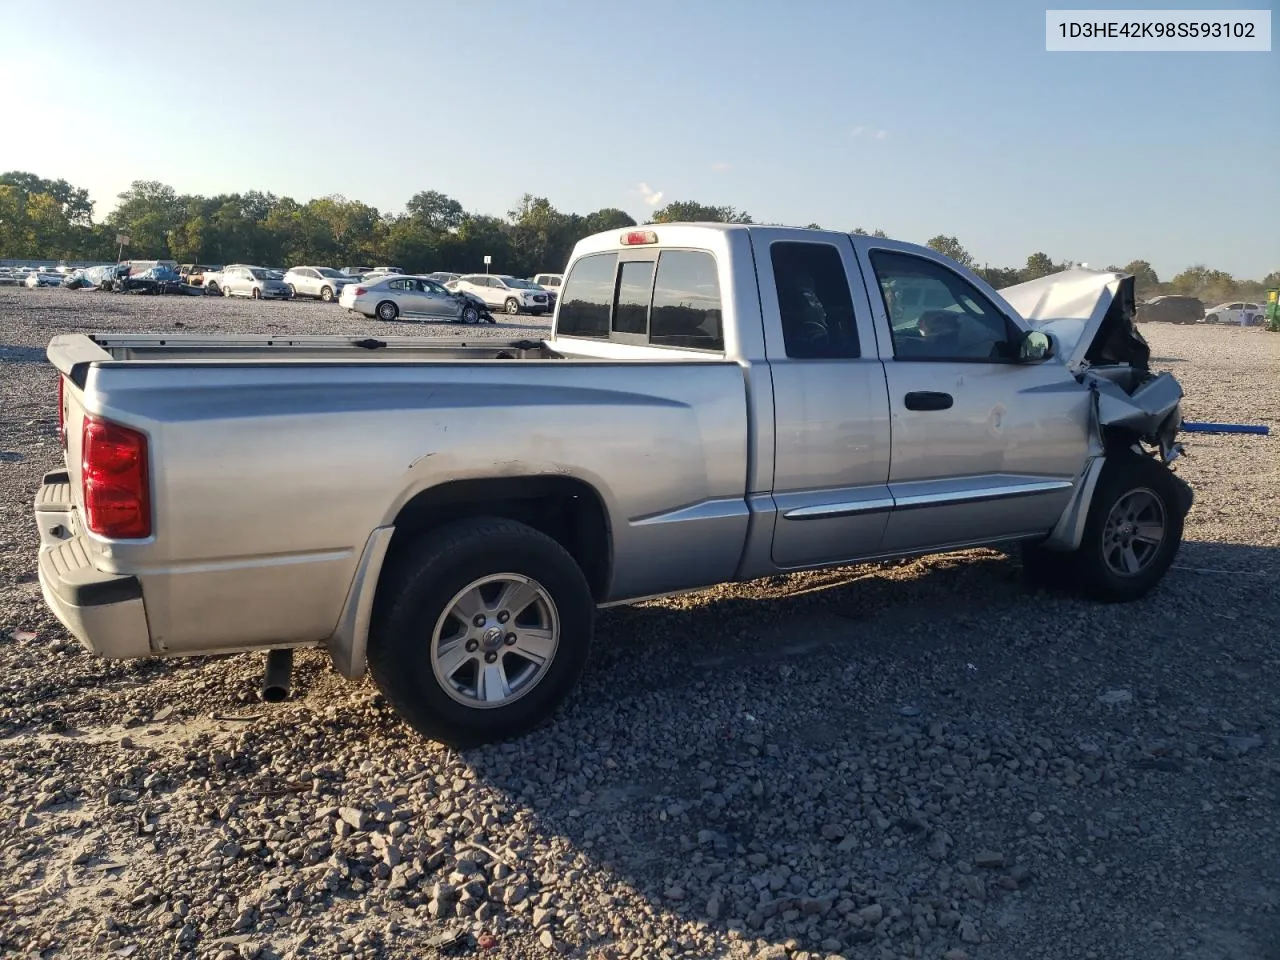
x=275 y=460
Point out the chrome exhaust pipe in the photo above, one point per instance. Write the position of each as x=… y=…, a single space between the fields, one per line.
x=276 y=681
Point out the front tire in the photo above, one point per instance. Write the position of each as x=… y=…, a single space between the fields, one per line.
x=1131 y=534
x=387 y=311
x=481 y=631
x=470 y=315
x=326 y=294
x=512 y=307
x=293 y=292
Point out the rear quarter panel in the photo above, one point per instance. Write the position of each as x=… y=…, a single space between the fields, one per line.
x=268 y=479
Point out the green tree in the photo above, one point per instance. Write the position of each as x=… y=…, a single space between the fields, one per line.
x=74 y=202
x=1039 y=265
x=608 y=218
x=951 y=247
x=878 y=233
x=435 y=210
x=148 y=211
x=1145 y=280
x=686 y=211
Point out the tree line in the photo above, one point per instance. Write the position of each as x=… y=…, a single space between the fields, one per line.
x=53 y=219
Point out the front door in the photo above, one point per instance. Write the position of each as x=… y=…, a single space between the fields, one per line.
x=984 y=447
x=436 y=301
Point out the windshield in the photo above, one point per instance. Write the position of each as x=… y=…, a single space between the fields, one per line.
x=521 y=284
x=259 y=274
x=329 y=272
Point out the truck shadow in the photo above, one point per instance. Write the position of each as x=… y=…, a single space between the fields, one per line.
x=744 y=722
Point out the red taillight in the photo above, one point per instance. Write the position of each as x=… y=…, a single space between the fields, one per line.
x=114 y=473
x=633 y=237
x=360 y=291
x=62 y=416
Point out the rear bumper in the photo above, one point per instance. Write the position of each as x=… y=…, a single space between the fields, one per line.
x=104 y=611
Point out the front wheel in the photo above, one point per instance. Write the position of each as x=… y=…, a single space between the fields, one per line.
x=470 y=314
x=388 y=311
x=326 y=294
x=480 y=631
x=257 y=294
x=512 y=307
x=293 y=291
x=212 y=290
x=1131 y=534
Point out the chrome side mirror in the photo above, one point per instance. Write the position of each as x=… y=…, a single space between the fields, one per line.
x=1035 y=346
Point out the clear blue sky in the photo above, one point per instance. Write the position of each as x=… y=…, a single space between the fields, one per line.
x=916 y=117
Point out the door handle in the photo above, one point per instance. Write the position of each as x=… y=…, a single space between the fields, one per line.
x=928 y=400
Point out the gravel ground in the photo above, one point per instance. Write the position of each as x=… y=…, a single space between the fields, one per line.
x=805 y=766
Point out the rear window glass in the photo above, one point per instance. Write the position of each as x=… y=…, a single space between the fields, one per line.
x=686 y=302
x=588 y=297
x=635 y=286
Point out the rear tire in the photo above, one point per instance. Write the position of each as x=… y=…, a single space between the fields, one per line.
x=512 y=307
x=326 y=294
x=431 y=664
x=293 y=292
x=1131 y=535
x=257 y=294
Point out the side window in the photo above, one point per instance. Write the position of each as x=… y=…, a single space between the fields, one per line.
x=398 y=285
x=814 y=301
x=686 y=302
x=1235 y=306
x=588 y=297
x=935 y=314
x=635 y=286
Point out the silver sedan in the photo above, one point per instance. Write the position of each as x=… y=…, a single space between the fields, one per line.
x=396 y=295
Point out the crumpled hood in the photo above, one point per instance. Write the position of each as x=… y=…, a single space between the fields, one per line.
x=1090 y=315
x=1072 y=306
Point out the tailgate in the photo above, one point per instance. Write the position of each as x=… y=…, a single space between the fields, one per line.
x=72 y=355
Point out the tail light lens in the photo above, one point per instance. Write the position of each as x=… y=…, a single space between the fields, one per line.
x=115 y=475
x=360 y=291
x=62 y=416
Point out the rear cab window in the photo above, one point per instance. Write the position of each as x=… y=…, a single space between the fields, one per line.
x=662 y=298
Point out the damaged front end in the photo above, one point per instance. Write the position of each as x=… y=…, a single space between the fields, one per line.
x=1090 y=314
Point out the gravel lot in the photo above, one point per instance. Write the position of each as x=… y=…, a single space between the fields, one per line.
x=904 y=760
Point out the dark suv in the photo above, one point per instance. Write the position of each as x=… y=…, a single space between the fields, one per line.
x=1172 y=310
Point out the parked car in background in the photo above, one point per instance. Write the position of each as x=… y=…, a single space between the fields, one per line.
x=43 y=278
x=443 y=276
x=388 y=270
x=193 y=273
x=323 y=283
x=356 y=272
x=505 y=293
x=1238 y=312
x=1171 y=309
x=8 y=278
x=550 y=281
x=398 y=295
x=241 y=280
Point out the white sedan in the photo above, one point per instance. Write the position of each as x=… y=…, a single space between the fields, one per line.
x=1239 y=312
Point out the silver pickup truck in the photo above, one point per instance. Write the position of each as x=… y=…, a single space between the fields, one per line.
x=716 y=403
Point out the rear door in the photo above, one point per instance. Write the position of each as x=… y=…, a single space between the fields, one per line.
x=831 y=409
x=984 y=447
